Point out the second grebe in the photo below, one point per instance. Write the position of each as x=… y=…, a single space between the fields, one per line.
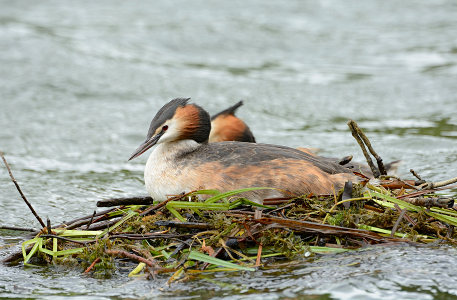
x=225 y=126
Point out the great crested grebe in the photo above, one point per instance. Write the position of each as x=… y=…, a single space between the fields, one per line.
x=225 y=126
x=184 y=161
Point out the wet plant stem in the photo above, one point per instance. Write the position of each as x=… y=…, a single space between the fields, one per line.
x=21 y=193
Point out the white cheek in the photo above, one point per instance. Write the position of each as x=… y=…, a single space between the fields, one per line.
x=171 y=134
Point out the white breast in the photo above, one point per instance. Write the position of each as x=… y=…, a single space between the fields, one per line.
x=161 y=176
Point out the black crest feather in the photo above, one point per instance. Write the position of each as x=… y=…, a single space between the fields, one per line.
x=165 y=113
x=229 y=111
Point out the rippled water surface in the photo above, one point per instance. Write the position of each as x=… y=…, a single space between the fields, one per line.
x=80 y=82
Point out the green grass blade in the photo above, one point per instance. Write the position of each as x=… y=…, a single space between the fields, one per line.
x=165 y=254
x=195 y=255
x=198 y=205
x=205 y=192
x=317 y=249
x=445 y=218
x=77 y=233
x=129 y=215
x=69 y=251
x=36 y=242
x=444 y=211
x=403 y=204
x=232 y=193
x=176 y=213
x=252 y=203
x=137 y=270
x=380 y=230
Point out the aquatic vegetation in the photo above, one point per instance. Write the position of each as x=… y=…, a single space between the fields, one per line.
x=185 y=238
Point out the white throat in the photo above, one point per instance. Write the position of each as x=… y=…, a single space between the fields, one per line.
x=161 y=171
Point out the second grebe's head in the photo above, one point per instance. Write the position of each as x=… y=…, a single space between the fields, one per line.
x=225 y=126
x=176 y=120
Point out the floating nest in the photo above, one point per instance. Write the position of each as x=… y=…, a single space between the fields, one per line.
x=184 y=236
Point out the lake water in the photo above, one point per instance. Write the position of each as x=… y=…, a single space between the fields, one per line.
x=80 y=82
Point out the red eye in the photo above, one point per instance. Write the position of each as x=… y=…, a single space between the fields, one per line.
x=164 y=128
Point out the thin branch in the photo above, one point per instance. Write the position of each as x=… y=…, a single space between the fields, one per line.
x=91 y=219
x=259 y=256
x=48 y=226
x=424 y=192
x=381 y=167
x=431 y=202
x=85 y=219
x=433 y=185
x=394 y=229
x=161 y=204
x=105 y=224
x=190 y=225
x=415 y=174
x=122 y=253
x=18 y=228
x=148 y=236
x=142 y=200
x=92 y=265
x=411 y=221
x=20 y=191
x=355 y=133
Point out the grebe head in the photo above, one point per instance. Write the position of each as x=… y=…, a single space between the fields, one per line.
x=225 y=126
x=176 y=120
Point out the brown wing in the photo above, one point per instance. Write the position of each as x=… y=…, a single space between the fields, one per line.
x=228 y=166
x=249 y=154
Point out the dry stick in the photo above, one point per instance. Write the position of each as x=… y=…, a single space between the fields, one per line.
x=381 y=167
x=190 y=225
x=259 y=256
x=431 y=202
x=48 y=226
x=83 y=220
x=141 y=200
x=20 y=192
x=161 y=204
x=90 y=216
x=411 y=221
x=131 y=256
x=415 y=174
x=150 y=236
x=433 y=185
x=92 y=265
x=424 y=192
x=215 y=254
x=394 y=229
x=106 y=224
x=355 y=134
x=18 y=228
x=102 y=216
x=398 y=184
x=91 y=219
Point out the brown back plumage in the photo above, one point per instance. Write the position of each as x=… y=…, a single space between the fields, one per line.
x=232 y=165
